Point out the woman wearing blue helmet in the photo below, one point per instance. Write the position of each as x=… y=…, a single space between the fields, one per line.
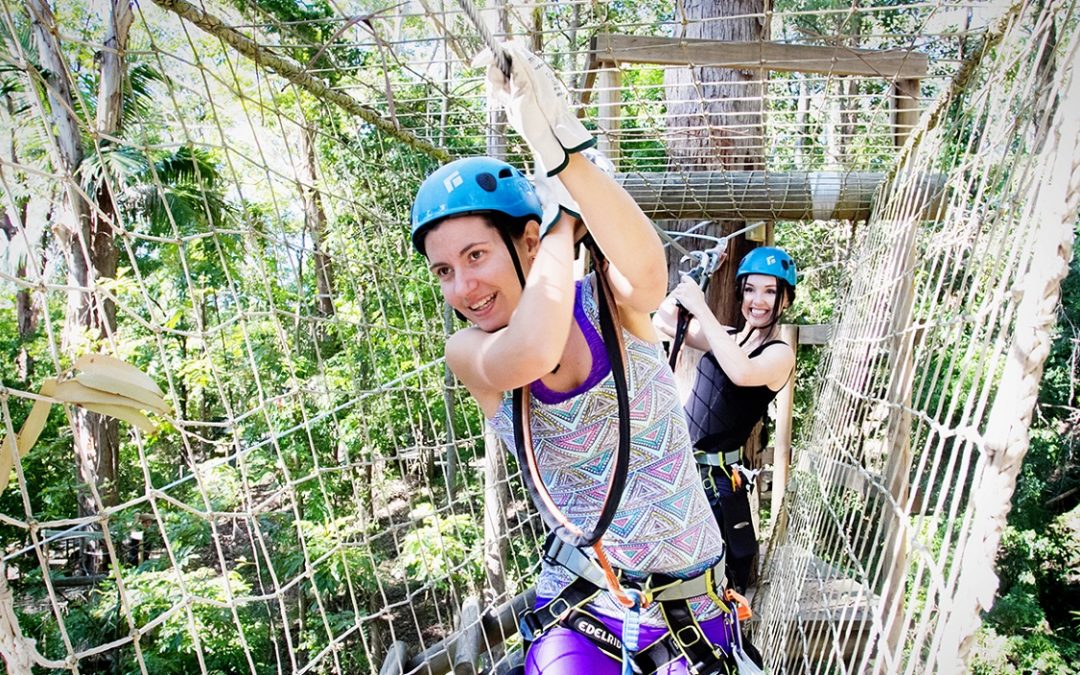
x=742 y=370
x=537 y=359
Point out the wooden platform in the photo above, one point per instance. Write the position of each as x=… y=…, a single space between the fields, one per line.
x=834 y=619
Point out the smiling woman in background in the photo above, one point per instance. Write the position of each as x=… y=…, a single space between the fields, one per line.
x=740 y=374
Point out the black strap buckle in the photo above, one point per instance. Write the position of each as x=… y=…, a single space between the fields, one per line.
x=530 y=626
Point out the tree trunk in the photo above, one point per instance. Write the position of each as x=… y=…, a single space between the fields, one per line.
x=26 y=312
x=111 y=59
x=94 y=315
x=86 y=238
x=802 y=129
x=849 y=93
x=12 y=220
x=715 y=122
x=316 y=224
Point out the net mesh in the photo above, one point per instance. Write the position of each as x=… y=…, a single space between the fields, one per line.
x=903 y=478
x=323 y=494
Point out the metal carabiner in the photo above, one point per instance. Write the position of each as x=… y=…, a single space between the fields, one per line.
x=631 y=630
x=744 y=665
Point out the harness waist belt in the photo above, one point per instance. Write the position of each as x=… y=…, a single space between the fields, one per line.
x=718 y=458
x=657 y=587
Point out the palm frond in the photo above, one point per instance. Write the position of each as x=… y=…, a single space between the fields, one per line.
x=119 y=163
x=189 y=165
x=186 y=190
x=139 y=103
x=19 y=41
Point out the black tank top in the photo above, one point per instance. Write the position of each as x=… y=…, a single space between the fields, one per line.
x=721 y=414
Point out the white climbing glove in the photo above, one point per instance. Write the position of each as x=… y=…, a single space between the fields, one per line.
x=554 y=198
x=537 y=106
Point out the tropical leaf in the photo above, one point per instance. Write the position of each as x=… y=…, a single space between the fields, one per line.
x=186 y=192
x=189 y=165
x=119 y=163
x=139 y=103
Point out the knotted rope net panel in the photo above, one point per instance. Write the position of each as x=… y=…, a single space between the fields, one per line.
x=906 y=473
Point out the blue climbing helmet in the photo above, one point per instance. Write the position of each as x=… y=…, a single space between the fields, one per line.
x=472 y=185
x=769 y=260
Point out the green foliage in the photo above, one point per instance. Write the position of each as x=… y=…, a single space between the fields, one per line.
x=442 y=551
x=335 y=549
x=204 y=624
x=639 y=150
x=306 y=25
x=222 y=261
x=48 y=469
x=821 y=251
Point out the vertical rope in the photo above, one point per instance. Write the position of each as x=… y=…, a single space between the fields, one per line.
x=1053 y=201
x=502 y=60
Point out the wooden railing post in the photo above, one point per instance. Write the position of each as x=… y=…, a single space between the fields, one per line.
x=785 y=409
x=466 y=646
x=609 y=110
x=396 y=658
x=905 y=109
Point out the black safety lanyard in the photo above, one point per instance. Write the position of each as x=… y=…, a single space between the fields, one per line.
x=526 y=454
x=682 y=320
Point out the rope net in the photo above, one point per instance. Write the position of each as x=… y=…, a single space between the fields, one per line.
x=906 y=473
x=230 y=216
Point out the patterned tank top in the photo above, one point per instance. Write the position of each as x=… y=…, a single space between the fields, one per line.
x=664 y=523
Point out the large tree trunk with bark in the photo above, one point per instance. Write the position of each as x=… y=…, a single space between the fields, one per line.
x=715 y=122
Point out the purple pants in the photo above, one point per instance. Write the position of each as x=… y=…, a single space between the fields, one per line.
x=561 y=651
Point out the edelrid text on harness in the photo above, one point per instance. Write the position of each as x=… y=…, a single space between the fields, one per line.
x=684 y=639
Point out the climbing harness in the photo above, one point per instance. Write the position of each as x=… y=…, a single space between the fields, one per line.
x=731 y=463
x=684 y=638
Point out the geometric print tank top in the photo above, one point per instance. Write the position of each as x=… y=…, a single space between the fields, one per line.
x=664 y=522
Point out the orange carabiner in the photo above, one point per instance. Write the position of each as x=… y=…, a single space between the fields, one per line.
x=613 y=580
x=743 y=610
